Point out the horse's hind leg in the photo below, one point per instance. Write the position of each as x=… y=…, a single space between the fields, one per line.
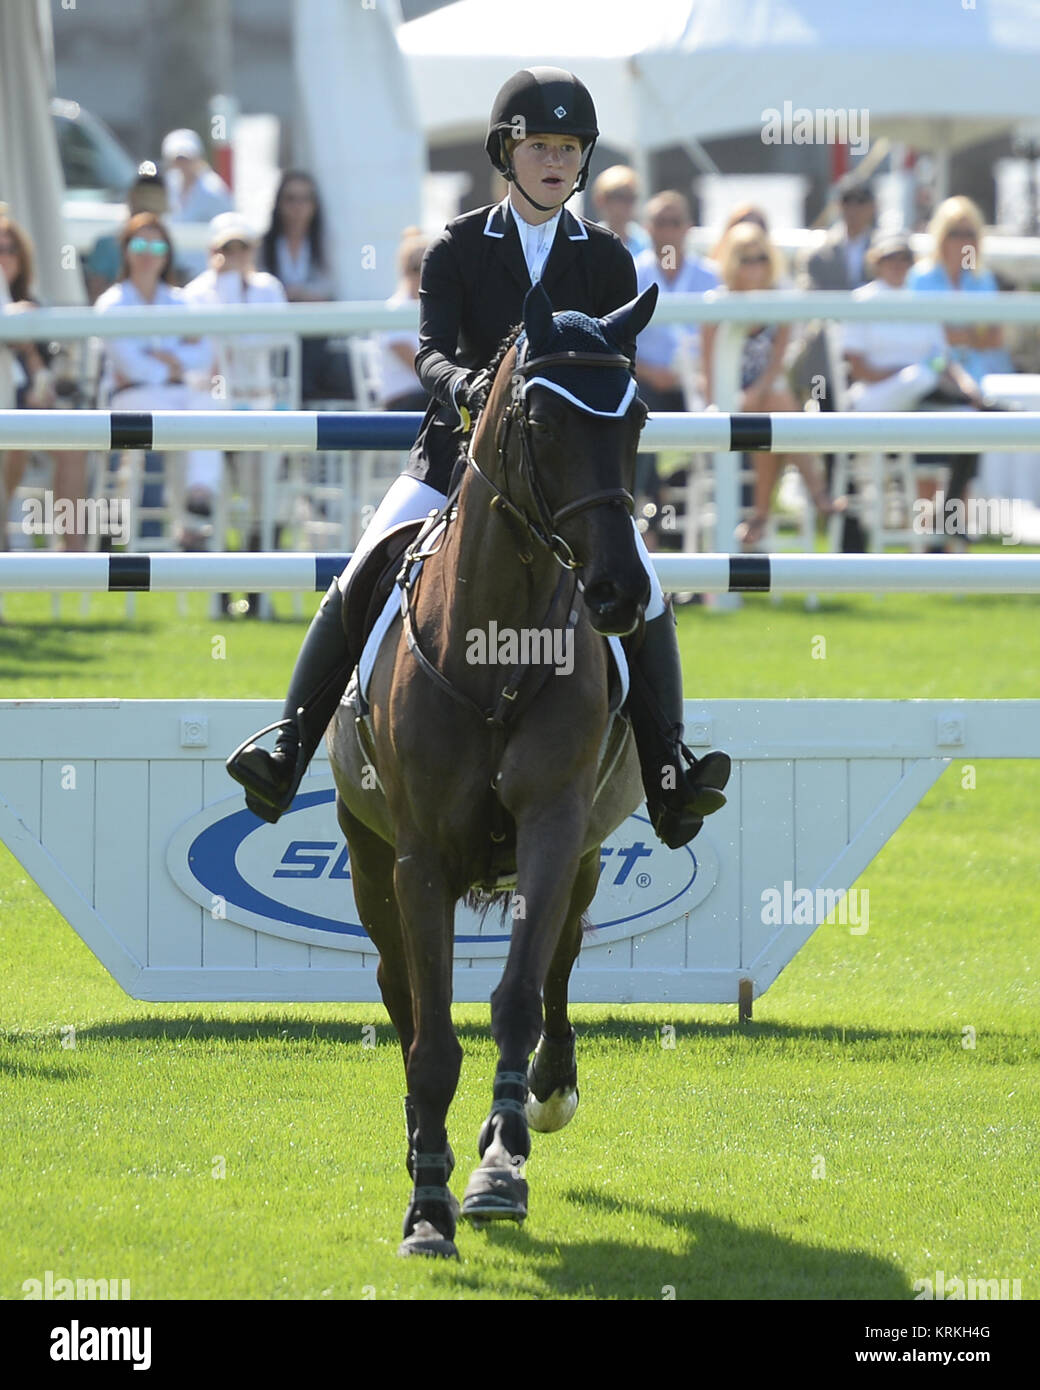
x=552 y=1077
x=434 y=1058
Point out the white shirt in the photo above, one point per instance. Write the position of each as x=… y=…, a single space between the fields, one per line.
x=226 y=287
x=396 y=379
x=130 y=356
x=300 y=270
x=243 y=361
x=536 y=241
x=892 y=346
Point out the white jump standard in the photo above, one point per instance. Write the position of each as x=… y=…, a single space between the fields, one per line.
x=183 y=894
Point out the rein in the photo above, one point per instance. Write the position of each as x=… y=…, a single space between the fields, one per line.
x=544 y=531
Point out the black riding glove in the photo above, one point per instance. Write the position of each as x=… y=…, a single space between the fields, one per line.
x=469 y=395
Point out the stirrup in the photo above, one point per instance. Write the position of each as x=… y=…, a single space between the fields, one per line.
x=711 y=771
x=676 y=824
x=256 y=801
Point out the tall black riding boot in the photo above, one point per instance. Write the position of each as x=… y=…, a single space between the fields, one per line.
x=678 y=797
x=318 y=681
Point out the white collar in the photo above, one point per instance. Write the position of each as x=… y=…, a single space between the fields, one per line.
x=546 y=230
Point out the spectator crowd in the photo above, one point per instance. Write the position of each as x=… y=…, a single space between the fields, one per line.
x=878 y=365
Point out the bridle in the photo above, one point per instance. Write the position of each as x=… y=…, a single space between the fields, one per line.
x=546 y=529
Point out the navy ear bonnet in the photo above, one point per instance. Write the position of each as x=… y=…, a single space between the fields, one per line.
x=596 y=390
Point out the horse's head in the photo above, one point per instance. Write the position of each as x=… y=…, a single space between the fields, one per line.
x=559 y=438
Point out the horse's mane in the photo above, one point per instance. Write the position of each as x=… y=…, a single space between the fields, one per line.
x=503 y=347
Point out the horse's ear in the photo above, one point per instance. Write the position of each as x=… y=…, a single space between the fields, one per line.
x=538 y=314
x=623 y=324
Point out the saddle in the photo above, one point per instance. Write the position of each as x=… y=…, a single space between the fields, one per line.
x=370 y=597
x=372 y=583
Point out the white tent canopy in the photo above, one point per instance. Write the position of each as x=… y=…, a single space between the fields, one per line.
x=931 y=73
x=360 y=134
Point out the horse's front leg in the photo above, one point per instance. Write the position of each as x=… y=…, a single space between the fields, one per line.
x=548 y=850
x=552 y=1078
x=427 y=907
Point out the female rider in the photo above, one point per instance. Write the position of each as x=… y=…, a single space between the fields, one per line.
x=475 y=276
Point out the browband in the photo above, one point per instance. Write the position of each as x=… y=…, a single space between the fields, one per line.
x=574 y=359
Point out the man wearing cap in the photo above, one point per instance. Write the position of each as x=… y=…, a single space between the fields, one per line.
x=196 y=192
x=892 y=365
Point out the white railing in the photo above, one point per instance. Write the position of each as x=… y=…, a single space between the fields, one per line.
x=773 y=306
x=313 y=431
x=708 y=574
x=367 y=316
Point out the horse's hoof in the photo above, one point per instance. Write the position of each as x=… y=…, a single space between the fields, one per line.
x=427 y=1240
x=495 y=1194
x=551 y=1114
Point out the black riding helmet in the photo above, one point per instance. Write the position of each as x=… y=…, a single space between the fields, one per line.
x=537 y=101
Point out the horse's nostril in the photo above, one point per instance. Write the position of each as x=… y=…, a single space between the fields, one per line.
x=602 y=595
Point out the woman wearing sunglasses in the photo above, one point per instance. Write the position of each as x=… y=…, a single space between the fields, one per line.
x=748 y=260
x=151 y=372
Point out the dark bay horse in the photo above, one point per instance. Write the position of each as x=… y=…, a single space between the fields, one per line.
x=481 y=768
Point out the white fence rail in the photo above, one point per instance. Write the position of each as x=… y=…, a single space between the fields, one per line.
x=709 y=574
x=306 y=431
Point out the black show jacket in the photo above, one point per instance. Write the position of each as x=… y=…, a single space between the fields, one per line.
x=471 y=293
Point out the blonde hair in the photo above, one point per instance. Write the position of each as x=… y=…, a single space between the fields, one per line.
x=22 y=285
x=413 y=243
x=619 y=178
x=959 y=209
x=743 y=212
x=743 y=237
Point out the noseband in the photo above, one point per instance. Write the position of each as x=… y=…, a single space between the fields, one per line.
x=546 y=529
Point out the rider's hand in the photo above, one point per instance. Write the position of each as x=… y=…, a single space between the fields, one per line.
x=469 y=395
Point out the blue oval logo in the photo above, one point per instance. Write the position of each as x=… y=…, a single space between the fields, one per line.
x=293 y=879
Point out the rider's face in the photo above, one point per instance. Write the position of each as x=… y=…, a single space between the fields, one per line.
x=547 y=166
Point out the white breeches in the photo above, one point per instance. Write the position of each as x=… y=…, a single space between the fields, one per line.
x=901 y=391
x=408 y=499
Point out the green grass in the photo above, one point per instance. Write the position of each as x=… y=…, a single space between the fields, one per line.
x=691 y=1168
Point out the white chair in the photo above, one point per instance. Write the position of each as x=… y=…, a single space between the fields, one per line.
x=885 y=494
x=260 y=490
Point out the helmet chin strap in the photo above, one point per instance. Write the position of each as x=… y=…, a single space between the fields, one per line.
x=511 y=177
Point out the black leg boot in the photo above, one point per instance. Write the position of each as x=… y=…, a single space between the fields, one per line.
x=318 y=681
x=680 y=789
